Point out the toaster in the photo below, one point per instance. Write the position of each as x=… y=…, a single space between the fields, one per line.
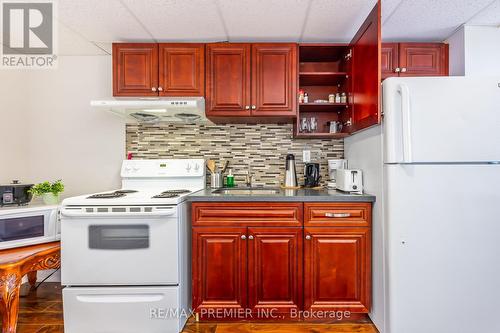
x=350 y=180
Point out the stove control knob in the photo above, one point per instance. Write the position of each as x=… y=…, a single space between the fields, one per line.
x=188 y=168
x=196 y=167
x=135 y=169
x=127 y=169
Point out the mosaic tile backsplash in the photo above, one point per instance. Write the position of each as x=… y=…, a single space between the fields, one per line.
x=262 y=147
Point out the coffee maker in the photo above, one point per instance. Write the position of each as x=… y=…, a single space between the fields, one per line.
x=311 y=175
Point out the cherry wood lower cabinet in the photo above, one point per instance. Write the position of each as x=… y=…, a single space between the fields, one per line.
x=219 y=268
x=337 y=269
x=274 y=269
x=267 y=264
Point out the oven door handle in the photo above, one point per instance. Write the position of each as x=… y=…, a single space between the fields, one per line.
x=120 y=298
x=86 y=212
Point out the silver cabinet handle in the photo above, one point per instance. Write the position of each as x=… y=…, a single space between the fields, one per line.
x=337 y=215
x=254 y=107
x=153 y=88
x=160 y=89
x=308 y=237
x=250 y=237
x=243 y=237
x=397 y=70
x=403 y=70
x=247 y=107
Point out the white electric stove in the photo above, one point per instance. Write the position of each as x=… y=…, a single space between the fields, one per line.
x=125 y=253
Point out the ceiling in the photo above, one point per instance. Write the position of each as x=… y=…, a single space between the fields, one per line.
x=88 y=27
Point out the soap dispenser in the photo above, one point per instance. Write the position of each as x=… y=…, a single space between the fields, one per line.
x=230 y=179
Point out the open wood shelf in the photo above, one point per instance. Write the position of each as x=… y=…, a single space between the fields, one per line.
x=322 y=106
x=321 y=78
x=320 y=135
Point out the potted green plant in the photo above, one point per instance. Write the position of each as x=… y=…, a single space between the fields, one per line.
x=48 y=191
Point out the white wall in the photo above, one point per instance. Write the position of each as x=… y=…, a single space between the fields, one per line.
x=474 y=51
x=13 y=126
x=62 y=137
x=457 y=52
x=482 y=50
x=48 y=131
x=364 y=151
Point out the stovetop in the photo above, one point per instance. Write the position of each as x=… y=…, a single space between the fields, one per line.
x=130 y=197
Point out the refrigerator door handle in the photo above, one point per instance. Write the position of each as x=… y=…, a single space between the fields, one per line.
x=406 y=122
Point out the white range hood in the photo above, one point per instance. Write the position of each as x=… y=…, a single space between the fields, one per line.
x=187 y=110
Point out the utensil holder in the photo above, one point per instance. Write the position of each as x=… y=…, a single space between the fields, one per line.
x=216 y=180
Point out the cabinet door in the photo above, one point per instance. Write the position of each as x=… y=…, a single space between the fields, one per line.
x=389 y=60
x=182 y=69
x=365 y=71
x=337 y=269
x=135 y=69
x=228 y=79
x=423 y=59
x=274 y=269
x=274 y=79
x=219 y=268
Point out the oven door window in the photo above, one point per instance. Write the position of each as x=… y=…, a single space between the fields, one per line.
x=22 y=228
x=119 y=237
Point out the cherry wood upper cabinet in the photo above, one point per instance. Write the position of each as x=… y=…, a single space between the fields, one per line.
x=228 y=79
x=365 y=72
x=135 y=69
x=274 y=269
x=219 y=268
x=274 y=79
x=181 y=69
x=251 y=80
x=423 y=59
x=389 y=60
x=153 y=69
x=337 y=269
x=414 y=59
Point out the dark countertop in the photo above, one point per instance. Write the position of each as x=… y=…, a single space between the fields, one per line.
x=300 y=195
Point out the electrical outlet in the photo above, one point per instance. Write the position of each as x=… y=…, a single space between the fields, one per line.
x=306 y=156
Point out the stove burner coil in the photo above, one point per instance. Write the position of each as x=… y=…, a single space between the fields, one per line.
x=109 y=195
x=165 y=196
x=176 y=191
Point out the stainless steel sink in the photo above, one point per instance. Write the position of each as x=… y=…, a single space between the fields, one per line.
x=247 y=191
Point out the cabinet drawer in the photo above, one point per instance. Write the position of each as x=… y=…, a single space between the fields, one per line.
x=337 y=214
x=251 y=214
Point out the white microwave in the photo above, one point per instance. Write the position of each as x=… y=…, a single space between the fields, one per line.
x=22 y=226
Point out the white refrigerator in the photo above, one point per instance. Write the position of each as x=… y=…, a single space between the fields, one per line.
x=434 y=166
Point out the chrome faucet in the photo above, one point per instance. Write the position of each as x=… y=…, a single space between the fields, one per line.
x=248 y=178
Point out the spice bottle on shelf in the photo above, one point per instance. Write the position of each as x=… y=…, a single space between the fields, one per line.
x=301 y=96
x=337 y=98
x=306 y=98
x=343 y=98
x=331 y=98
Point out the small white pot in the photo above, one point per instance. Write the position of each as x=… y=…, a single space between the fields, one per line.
x=50 y=198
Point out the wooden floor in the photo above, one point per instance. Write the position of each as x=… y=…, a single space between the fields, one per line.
x=41 y=312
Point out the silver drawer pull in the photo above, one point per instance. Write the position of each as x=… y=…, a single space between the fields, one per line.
x=337 y=215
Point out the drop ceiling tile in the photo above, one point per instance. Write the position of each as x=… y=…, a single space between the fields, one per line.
x=71 y=43
x=429 y=20
x=388 y=7
x=101 y=20
x=335 y=20
x=264 y=20
x=106 y=47
x=488 y=16
x=179 y=20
